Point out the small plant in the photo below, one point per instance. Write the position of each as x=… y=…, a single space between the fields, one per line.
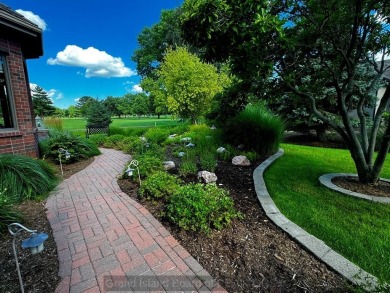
x=188 y=166
x=148 y=164
x=159 y=185
x=201 y=207
x=113 y=141
x=208 y=161
x=157 y=135
x=98 y=139
x=8 y=214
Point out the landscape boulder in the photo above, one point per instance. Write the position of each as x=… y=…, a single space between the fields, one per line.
x=169 y=165
x=241 y=161
x=207 y=177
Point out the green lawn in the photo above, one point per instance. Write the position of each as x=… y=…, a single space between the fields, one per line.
x=358 y=229
x=78 y=124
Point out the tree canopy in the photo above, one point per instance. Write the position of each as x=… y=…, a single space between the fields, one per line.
x=307 y=46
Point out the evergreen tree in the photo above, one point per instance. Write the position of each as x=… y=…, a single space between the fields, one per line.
x=97 y=114
x=42 y=104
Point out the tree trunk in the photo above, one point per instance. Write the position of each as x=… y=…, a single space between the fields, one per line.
x=321 y=132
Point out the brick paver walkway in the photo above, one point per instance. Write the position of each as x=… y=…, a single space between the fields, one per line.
x=106 y=241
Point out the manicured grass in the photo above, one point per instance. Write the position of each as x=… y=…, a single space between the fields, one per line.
x=75 y=124
x=357 y=229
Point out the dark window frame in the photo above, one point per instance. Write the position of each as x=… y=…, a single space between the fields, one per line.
x=6 y=97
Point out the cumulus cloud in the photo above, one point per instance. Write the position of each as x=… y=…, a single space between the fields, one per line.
x=96 y=63
x=137 y=88
x=33 y=18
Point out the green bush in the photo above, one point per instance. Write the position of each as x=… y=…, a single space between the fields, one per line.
x=113 y=141
x=159 y=185
x=23 y=177
x=157 y=135
x=208 y=161
x=8 y=214
x=201 y=207
x=148 y=164
x=99 y=139
x=78 y=147
x=256 y=128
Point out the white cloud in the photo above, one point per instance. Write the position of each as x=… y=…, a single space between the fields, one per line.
x=33 y=18
x=53 y=94
x=96 y=63
x=137 y=88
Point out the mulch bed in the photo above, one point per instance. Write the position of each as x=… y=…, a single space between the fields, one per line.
x=252 y=255
x=381 y=188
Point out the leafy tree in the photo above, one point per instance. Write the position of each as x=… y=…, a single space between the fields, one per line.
x=83 y=105
x=42 y=104
x=97 y=114
x=140 y=104
x=306 y=45
x=154 y=41
x=72 y=111
x=157 y=95
x=111 y=104
x=190 y=84
x=125 y=104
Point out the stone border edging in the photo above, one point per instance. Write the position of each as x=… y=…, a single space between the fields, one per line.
x=327 y=181
x=316 y=246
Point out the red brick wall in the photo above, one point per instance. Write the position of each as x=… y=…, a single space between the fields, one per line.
x=22 y=140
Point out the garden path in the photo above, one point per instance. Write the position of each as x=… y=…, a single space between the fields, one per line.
x=106 y=241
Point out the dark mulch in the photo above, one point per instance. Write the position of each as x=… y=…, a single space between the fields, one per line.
x=252 y=255
x=381 y=188
x=40 y=271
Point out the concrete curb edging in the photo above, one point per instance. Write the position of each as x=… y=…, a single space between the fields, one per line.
x=327 y=181
x=316 y=246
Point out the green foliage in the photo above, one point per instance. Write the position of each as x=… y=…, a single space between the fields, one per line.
x=78 y=147
x=113 y=141
x=42 y=104
x=8 y=213
x=157 y=135
x=159 y=185
x=148 y=165
x=256 y=128
x=208 y=161
x=97 y=114
x=23 y=177
x=98 y=139
x=201 y=207
x=190 y=84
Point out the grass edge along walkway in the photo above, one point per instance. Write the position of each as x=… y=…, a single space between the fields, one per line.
x=357 y=229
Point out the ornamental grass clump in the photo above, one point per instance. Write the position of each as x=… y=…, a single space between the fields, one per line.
x=256 y=128
x=201 y=207
x=25 y=178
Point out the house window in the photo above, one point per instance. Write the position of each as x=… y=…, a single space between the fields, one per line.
x=6 y=117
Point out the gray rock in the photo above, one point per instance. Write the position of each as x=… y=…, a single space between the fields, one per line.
x=207 y=177
x=172 y=135
x=169 y=165
x=241 y=161
x=181 y=154
x=186 y=139
x=190 y=145
x=221 y=150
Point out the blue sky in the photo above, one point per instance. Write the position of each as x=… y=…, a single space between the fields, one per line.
x=88 y=45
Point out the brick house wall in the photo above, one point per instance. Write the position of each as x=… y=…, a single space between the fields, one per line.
x=22 y=139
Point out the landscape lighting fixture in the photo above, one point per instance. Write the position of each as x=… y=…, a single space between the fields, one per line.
x=66 y=154
x=34 y=242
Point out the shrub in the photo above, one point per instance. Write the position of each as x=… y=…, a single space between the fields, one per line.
x=201 y=207
x=256 y=128
x=208 y=161
x=53 y=123
x=159 y=185
x=24 y=177
x=113 y=141
x=98 y=139
x=98 y=114
x=78 y=147
x=157 y=135
x=148 y=164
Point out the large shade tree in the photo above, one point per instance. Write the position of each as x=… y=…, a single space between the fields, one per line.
x=306 y=45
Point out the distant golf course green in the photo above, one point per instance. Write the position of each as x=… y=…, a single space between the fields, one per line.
x=78 y=124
